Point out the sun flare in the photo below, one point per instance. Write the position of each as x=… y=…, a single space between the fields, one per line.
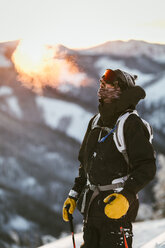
x=36 y=65
x=30 y=56
x=39 y=65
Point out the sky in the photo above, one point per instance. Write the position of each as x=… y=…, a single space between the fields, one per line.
x=82 y=23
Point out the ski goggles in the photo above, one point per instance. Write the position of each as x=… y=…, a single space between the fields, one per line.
x=109 y=77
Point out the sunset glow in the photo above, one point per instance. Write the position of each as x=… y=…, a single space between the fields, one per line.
x=30 y=56
x=38 y=66
x=82 y=23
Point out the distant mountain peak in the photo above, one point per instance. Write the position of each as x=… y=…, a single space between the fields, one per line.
x=128 y=49
x=62 y=50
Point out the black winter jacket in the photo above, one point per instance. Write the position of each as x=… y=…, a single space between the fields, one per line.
x=104 y=163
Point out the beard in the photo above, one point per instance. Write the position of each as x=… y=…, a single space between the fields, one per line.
x=108 y=95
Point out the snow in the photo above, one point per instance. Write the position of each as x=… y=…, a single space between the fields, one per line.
x=11 y=100
x=156 y=242
x=29 y=182
x=156 y=92
x=130 y=48
x=145 y=212
x=104 y=62
x=148 y=234
x=66 y=116
x=5 y=90
x=2 y=193
x=4 y=62
x=146 y=231
x=52 y=156
x=14 y=106
x=19 y=223
x=75 y=78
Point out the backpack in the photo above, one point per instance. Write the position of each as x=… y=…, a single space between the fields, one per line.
x=118 y=131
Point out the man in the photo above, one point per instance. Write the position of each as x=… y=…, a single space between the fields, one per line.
x=106 y=189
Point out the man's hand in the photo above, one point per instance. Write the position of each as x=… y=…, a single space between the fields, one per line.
x=117 y=206
x=72 y=204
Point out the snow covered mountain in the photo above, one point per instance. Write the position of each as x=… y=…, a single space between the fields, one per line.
x=132 y=48
x=41 y=134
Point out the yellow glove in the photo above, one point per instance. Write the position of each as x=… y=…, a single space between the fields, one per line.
x=117 y=206
x=72 y=203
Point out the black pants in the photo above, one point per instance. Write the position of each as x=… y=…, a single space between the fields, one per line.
x=106 y=234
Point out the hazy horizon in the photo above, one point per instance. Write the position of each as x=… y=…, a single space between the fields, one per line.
x=81 y=24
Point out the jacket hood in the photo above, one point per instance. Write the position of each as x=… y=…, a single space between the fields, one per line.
x=128 y=100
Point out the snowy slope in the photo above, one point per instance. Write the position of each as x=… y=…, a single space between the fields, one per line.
x=65 y=116
x=4 y=62
x=105 y=62
x=156 y=93
x=129 y=48
x=58 y=114
x=149 y=234
x=11 y=102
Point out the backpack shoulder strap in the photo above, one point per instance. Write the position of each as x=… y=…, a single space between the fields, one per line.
x=118 y=135
x=95 y=124
x=150 y=130
x=95 y=121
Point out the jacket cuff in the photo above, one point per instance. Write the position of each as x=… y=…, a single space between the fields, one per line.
x=73 y=194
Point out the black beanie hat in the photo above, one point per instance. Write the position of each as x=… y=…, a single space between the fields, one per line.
x=125 y=79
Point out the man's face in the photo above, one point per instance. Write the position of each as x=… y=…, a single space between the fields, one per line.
x=108 y=92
